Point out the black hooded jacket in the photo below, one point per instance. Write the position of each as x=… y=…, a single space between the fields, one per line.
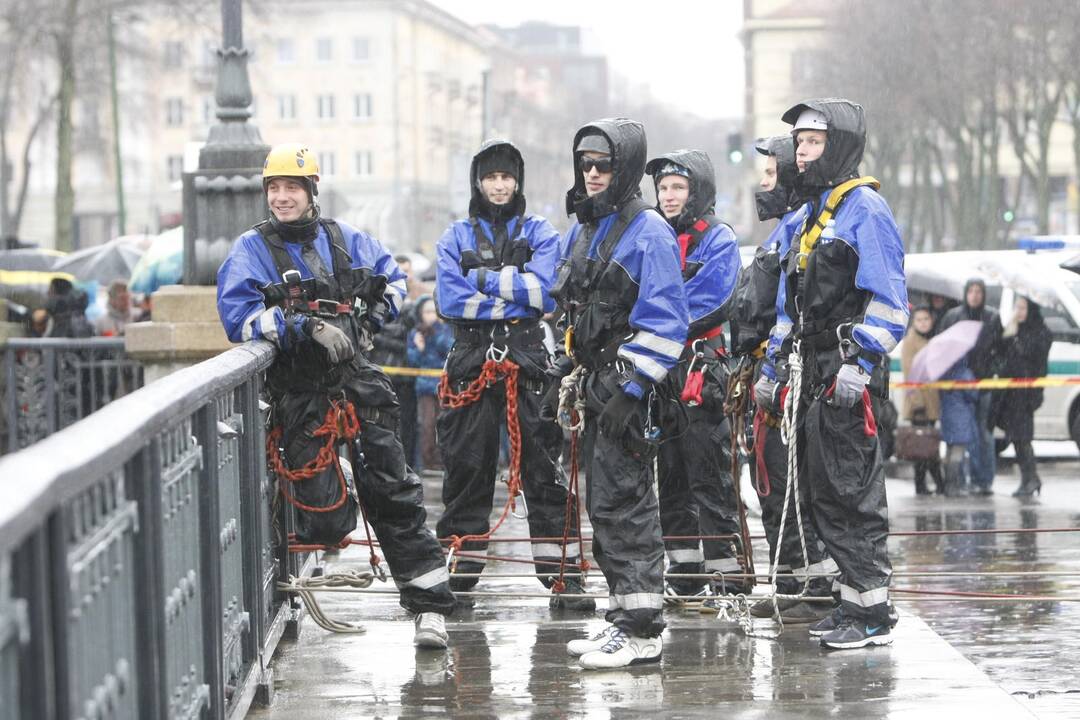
x=781 y=200
x=478 y=204
x=700 y=204
x=843 y=148
x=628 y=152
x=983 y=358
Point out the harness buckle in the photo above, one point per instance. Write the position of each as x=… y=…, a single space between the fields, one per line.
x=498 y=354
x=327 y=308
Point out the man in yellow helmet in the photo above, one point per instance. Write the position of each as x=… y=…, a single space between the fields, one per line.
x=319 y=289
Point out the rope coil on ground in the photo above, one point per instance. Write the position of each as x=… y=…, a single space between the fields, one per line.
x=306 y=587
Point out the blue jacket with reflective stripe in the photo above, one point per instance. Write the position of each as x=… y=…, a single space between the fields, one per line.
x=865 y=224
x=648 y=254
x=717 y=253
x=250 y=267
x=780 y=240
x=508 y=292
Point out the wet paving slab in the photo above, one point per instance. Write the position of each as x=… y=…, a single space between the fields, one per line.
x=508 y=660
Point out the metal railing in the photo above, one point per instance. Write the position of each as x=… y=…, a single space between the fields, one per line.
x=50 y=383
x=139 y=551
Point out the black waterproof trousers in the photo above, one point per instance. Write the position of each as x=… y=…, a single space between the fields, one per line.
x=697 y=497
x=769 y=470
x=391 y=493
x=842 y=468
x=624 y=512
x=469 y=439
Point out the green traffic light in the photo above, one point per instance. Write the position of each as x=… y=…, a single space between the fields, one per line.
x=1008 y=216
x=735 y=156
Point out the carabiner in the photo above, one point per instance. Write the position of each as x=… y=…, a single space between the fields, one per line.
x=524 y=505
x=497 y=354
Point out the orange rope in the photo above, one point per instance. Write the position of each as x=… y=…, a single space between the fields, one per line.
x=492 y=372
x=341 y=423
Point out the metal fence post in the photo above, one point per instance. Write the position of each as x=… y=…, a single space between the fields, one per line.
x=144 y=486
x=205 y=430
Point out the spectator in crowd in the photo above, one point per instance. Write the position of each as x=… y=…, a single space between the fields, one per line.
x=390 y=351
x=939 y=305
x=429 y=345
x=959 y=429
x=66 y=306
x=1025 y=350
x=981 y=361
x=922 y=406
x=39 y=323
x=118 y=311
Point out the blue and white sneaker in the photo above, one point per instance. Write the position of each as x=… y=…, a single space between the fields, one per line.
x=621 y=650
x=827 y=624
x=854 y=633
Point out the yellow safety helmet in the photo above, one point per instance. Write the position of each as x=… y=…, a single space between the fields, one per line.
x=290 y=160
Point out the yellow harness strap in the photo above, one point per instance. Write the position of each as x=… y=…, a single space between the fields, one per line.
x=808 y=239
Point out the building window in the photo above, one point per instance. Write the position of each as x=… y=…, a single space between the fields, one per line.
x=364 y=165
x=286 y=107
x=174 y=168
x=324 y=49
x=327 y=164
x=361 y=49
x=362 y=106
x=325 y=107
x=174 y=54
x=286 y=51
x=174 y=112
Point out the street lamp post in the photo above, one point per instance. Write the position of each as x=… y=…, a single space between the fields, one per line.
x=224 y=196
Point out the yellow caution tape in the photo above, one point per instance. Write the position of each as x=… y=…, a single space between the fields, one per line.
x=411 y=372
x=992 y=383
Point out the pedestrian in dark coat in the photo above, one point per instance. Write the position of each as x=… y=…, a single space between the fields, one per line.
x=1025 y=349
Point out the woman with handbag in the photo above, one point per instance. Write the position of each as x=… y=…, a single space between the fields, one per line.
x=922 y=406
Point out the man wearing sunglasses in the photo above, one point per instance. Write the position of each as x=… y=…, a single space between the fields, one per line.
x=494 y=270
x=697 y=495
x=625 y=315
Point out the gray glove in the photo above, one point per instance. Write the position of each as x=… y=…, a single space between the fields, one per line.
x=849 y=385
x=334 y=340
x=765 y=393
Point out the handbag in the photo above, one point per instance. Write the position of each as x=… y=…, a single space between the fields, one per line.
x=918 y=442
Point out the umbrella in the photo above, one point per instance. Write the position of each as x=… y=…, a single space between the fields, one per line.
x=163 y=263
x=33 y=259
x=928 y=274
x=1025 y=276
x=104 y=263
x=943 y=351
x=28 y=287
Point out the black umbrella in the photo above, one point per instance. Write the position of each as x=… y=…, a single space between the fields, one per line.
x=113 y=260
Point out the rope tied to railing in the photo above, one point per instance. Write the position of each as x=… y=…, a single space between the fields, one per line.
x=496 y=369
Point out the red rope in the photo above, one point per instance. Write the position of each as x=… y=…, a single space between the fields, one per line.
x=491 y=372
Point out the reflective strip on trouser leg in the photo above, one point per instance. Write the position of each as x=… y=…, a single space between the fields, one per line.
x=815 y=570
x=723 y=565
x=867 y=599
x=685 y=555
x=427 y=580
x=640 y=601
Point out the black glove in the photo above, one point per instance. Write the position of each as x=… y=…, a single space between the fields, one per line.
x=549 y=404
x=337 y=344
x=619 y=412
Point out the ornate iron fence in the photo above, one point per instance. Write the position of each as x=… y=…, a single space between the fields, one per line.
x=139 y=552
x=50 y=383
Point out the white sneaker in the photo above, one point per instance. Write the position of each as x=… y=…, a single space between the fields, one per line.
x=579 y=647
x=430 y=631
x=623 y=649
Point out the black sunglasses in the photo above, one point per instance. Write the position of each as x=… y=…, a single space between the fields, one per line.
x=602 y=165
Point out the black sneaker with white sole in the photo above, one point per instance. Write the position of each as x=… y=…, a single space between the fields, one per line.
x=854 y=633
x=827 y=624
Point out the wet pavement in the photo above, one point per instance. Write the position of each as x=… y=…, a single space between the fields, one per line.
x=507 y=657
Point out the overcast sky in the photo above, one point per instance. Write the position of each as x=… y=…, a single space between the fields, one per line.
x=688 y=51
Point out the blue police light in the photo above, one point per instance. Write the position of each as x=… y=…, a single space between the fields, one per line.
x=1033 y=244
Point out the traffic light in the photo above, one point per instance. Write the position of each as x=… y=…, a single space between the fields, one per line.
x=735 y=147
x=1008 y=216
